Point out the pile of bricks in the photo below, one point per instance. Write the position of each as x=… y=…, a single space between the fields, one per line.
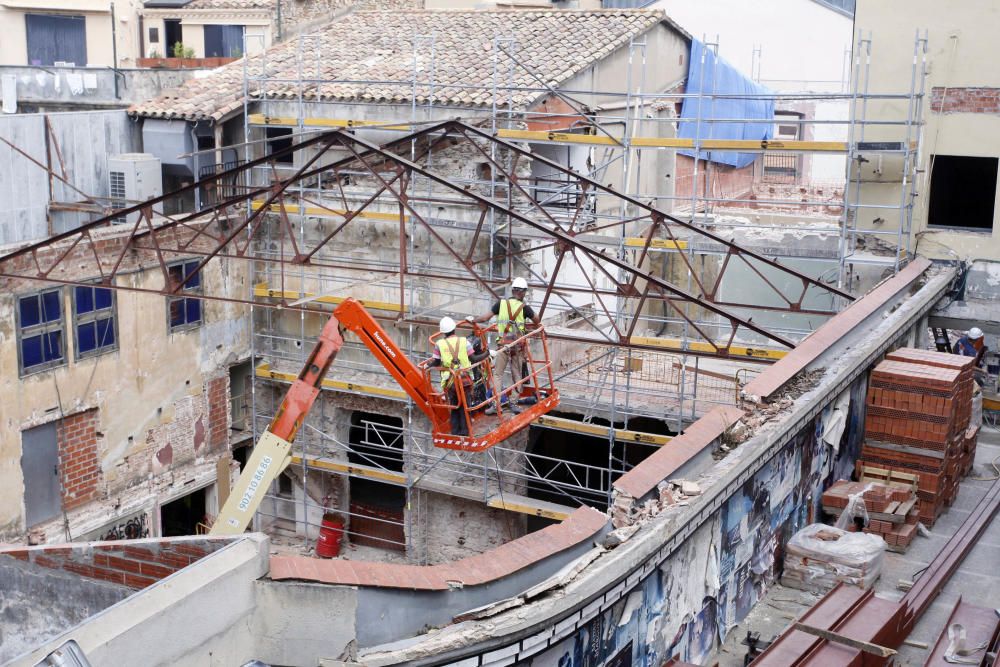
x=919 y=405
x=891 y=510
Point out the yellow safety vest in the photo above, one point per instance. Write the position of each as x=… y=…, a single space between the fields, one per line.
x=454 y=356
x=511 y=310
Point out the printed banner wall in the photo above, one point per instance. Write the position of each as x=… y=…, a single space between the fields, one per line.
x=710 y=584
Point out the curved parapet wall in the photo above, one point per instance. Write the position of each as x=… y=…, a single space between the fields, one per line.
x=397 y=601
x=692 y=569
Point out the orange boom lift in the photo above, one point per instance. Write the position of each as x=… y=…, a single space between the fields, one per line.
x=419 y=381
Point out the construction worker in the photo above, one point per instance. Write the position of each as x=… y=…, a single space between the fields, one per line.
x=972 y=345
x=512 y=315
x=455 y=354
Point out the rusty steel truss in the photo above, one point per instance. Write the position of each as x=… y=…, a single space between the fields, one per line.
x=231 y=226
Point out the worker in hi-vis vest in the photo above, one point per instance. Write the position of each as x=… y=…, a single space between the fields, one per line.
x=512 y=315
x=455 y=354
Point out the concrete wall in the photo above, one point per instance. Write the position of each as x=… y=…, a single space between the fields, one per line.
x=158 y=401
x=85 y=139
x=299 y=623
x=55 y=88
x=201 y=615
x=38 y=604
x=961 y=50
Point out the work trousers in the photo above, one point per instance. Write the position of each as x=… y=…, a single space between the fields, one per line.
x=458 y=424
x=514 y=357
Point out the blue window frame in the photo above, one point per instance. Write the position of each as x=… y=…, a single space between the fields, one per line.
x=40 y=331
x=94 y=320
x=182 y=312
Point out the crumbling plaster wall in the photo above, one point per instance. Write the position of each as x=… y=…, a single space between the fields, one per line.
x=161 y=400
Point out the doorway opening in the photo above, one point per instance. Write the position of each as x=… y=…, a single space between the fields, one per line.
x=182 y=516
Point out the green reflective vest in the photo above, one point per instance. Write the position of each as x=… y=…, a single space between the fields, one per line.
x=454 y=356
x=510 y=319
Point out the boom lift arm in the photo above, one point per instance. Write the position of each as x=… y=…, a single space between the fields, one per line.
x=272 y=453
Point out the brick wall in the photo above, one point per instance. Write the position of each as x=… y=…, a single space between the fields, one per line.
x=965 y=100
x=723 y=181
x=77 y=435
x=132 y=563
x=218 y=412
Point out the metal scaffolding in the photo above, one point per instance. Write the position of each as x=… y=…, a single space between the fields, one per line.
x=645 y=288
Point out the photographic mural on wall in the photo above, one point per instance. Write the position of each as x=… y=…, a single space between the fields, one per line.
x=709 y=585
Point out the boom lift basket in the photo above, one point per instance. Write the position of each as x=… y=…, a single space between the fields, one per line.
x=475 y=392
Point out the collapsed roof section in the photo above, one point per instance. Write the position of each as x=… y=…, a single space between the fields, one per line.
x=588 y=258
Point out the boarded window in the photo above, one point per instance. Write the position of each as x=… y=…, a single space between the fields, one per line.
x=40 y=330
x=963 y=192
x=53 y=39
x=185 y=312
x=94 y=320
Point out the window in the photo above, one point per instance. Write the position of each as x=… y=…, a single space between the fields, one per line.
x=223 y=41
x=278 y=139
x=56 y=39
x=94 y=320
x=40 y=329
x=963 y=192
x=185 y=312
x=154 y=35
x=172 y=34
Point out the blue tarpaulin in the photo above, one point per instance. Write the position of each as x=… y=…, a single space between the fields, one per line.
x=717 y=77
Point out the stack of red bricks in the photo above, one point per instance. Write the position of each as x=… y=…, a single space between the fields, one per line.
x=891 y=509
x=919 y=404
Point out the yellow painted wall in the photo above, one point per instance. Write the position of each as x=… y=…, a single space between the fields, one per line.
x=961 y=53
x=14 y=47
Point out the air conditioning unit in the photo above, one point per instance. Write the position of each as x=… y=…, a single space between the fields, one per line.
x=133 y=178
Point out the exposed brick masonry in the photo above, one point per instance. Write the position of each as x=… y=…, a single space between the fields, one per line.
x=218 y=412
x=133 y=563
x=78 y=463
x=965 y=100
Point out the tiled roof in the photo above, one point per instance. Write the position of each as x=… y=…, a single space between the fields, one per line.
x=231 y=4
x=372 y=58
x=506 y=559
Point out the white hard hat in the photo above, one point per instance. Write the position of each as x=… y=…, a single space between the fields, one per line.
x=975 y=333
x=447 y=324
x=519 y=283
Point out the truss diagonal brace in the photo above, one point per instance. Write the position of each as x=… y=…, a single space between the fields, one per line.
x=571 y=241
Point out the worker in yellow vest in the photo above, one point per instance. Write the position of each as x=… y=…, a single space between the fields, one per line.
x=455 y=355
x=512 y=315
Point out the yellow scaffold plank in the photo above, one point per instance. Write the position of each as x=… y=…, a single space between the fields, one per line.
x=368 y=472
x=262 y=290
x=321 y=212
x=530 y=506
x=264 y=371
x=677 y=345
x=665 y=244
x=545 y=136
x=601 y=431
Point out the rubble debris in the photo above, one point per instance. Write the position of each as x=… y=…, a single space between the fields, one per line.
x=690 y=488
x=616 y=537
